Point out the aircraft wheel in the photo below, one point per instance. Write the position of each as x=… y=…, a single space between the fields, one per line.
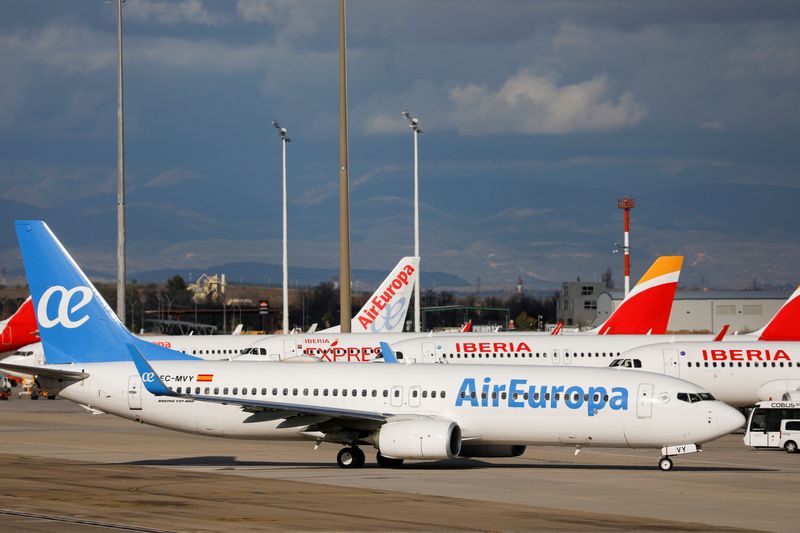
x=388 y=462
x=790 y=446
x=351 y=457
x=665 y=464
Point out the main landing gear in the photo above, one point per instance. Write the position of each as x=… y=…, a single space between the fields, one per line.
x=350 y=457
x=353 y=457
x=388 y=462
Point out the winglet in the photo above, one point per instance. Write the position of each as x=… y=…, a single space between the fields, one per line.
x=388 y=354
x=150 y=378
x=648 y=306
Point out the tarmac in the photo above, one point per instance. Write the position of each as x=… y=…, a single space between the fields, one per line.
x=67 y=469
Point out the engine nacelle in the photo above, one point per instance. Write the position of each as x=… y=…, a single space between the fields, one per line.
x=492 y=450
x=779 y=389
x=419 y=439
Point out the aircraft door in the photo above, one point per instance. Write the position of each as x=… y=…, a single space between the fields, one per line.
x=644 y=400
x=428 y=352
x=396 y=396
x=134 y=393
x=290 y=348
x=555 y=357
x=671 y=363
x=414 y=394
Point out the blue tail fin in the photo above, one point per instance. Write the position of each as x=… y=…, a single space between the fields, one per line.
x=75 y=323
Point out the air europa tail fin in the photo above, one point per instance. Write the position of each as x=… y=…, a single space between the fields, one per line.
x=647 y=307
x=385 y=311
x=785 y=325
x=76 y=324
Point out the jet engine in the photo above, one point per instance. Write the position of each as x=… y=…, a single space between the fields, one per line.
x=419 y=439
x=492 y=450
x=780 y=389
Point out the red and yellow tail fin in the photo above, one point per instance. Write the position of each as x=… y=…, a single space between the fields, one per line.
x=646 y=309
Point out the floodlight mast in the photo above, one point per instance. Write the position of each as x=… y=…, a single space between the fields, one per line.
x=121 y=267
x=284 y=139
x=413 y=123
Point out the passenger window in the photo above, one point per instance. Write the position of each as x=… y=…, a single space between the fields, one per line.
x=397 y=393
x=424 y=394
x=275 y=392
x=414 y=393
x=197 y=390
x=374 y=393
x=305 y=392
x=264 y=391
x=253 y=391
x=316 y=392
x=216 y=390
x=442 y=395
x=207 y=390
x=324 y=392
x=286 y=392
x=225 y=391
x=236 y=390
x=179 y=390
x=344 y=392
x=294 y=392
x=363 y=393
x=336 y=392
x=385 y=393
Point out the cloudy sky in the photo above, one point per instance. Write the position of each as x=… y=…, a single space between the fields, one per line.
x=537 y=117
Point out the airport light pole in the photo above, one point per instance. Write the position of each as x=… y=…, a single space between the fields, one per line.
x=413 y=123
x=284 y=139
x=120 y=176
x=345 y=312
x=627 y=204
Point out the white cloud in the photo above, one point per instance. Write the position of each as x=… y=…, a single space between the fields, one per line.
x=48 y=186
x=769 y=51
x=530 y=104
x=172 y=177
x=712 y=125
x=172 y=13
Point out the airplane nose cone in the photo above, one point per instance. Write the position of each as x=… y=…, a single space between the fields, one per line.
x=728 y=418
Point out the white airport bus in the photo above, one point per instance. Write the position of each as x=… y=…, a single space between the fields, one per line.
x=765 y=423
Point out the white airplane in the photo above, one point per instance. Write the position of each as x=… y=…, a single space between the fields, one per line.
x=405 y=411
x=738 y=373
x=580 y=350
x=651 y=297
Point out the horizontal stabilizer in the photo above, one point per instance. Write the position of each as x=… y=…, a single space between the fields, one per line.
x=43 y=371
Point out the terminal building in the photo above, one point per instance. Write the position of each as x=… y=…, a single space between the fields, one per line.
x=588 y=304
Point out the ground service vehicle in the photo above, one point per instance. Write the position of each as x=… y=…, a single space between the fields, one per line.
x=763 y=428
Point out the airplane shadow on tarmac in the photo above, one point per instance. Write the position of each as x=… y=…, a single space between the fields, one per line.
x=228 y=461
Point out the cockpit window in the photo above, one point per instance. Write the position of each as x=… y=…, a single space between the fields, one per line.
x=692 y=397
x=626 y=363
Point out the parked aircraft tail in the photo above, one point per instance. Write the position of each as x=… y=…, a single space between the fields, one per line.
x=76 y=324
x=385 y=311
x=646 y=309
x=785 y=325
x=20 y=329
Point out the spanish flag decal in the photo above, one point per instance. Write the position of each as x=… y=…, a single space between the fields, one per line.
x=205 y=377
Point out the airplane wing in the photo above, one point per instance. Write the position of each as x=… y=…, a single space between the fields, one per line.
x=44 y=371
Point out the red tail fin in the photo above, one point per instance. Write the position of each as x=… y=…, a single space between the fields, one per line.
x=21 y=329
x=785 y=325
x=646 y=309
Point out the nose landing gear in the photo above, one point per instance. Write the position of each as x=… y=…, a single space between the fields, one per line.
x=665 y=464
